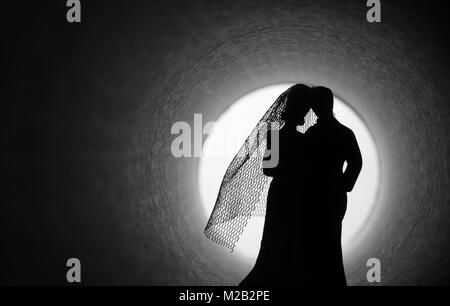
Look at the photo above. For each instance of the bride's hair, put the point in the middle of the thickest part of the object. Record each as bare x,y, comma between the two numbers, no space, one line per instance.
297,102
243,191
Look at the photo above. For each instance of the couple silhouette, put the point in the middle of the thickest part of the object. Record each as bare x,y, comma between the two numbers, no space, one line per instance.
307,197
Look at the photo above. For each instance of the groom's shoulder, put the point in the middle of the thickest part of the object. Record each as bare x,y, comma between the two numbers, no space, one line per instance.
345,130
349,133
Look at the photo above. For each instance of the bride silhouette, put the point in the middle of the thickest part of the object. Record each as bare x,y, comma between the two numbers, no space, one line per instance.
279,173
278,261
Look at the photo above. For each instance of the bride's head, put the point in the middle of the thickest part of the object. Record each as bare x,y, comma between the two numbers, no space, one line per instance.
297,105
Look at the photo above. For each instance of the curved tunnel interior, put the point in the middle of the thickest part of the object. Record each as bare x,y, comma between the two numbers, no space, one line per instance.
132,210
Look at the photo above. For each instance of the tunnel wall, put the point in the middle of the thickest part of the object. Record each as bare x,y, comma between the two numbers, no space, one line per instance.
91,173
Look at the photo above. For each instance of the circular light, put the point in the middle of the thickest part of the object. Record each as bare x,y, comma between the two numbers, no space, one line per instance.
231,130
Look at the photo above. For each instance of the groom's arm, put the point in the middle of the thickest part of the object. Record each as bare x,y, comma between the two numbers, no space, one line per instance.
354,162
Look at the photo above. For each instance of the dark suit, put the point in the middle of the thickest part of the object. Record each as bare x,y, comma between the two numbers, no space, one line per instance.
330,144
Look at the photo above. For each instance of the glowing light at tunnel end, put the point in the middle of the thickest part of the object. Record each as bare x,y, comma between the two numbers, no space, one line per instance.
244,114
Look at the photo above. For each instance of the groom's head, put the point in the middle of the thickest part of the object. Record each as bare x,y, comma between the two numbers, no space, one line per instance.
322,102
297,104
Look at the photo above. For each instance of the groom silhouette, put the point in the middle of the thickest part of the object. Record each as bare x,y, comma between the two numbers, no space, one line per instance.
331,145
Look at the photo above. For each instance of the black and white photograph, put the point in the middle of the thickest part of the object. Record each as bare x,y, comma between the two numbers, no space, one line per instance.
227,150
